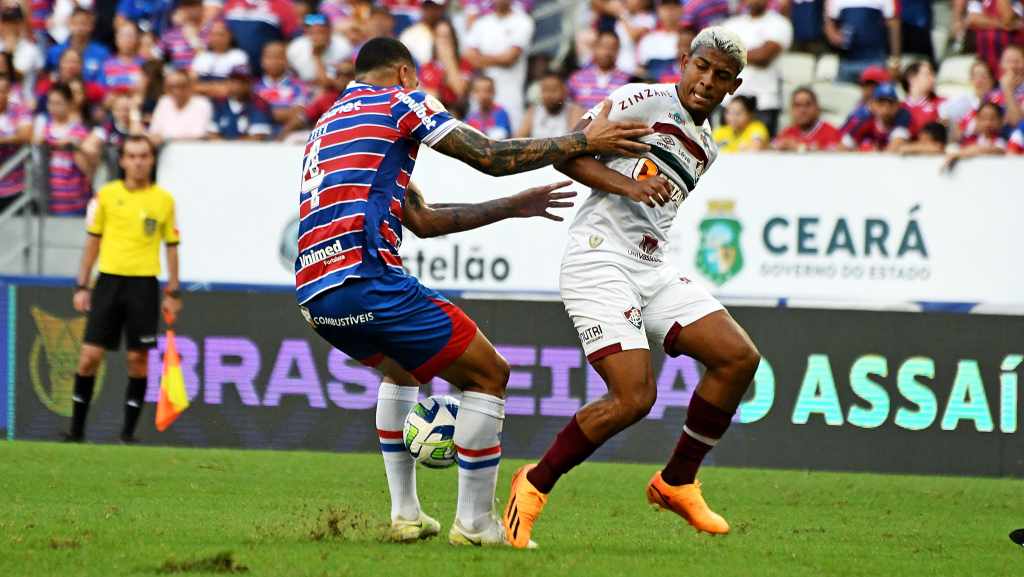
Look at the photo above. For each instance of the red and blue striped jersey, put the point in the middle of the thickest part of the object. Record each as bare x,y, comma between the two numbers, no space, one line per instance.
358,161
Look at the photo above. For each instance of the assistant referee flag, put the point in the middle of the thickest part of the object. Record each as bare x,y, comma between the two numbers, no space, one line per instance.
173,398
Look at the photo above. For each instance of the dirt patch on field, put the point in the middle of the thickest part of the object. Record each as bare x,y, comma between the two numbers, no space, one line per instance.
223,562
341,523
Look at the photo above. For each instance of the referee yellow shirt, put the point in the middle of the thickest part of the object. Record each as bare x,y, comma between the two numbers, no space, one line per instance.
131,224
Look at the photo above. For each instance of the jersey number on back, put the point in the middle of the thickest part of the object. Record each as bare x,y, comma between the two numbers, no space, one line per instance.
312,176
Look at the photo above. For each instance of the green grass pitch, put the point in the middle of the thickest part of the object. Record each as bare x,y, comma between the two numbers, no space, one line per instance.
111,510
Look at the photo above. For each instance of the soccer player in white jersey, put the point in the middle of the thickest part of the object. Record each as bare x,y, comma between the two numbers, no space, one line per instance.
619,291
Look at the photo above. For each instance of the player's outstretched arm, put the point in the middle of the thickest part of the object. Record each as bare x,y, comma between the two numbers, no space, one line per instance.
427,221
503,157
593,173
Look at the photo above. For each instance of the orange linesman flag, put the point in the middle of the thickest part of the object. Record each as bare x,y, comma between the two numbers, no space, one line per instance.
173,398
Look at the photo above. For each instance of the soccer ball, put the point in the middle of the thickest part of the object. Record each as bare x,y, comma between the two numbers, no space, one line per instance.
429,431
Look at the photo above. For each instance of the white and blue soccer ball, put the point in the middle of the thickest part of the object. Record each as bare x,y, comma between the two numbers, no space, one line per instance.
429,431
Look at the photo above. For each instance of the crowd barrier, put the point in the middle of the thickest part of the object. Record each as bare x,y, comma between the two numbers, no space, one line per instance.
872,229
840,390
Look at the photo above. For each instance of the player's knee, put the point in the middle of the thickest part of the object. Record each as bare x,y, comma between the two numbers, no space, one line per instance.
495,377
636,405
137,363
89,362
744,362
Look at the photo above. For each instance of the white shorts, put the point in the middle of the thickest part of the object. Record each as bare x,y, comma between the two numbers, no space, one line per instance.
616,303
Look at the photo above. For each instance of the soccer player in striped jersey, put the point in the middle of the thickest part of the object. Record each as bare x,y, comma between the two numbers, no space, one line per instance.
620,291
356,196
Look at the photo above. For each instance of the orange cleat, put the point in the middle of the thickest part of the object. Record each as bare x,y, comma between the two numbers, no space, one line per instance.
687,502
524,506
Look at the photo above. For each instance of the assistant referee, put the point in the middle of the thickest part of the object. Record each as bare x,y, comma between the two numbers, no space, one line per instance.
126,221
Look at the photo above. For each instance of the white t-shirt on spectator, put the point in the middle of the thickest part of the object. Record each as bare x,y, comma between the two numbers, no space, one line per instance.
762,82
301,59
627,60
419,39
189,123
493,34
657,45
218,64
28,58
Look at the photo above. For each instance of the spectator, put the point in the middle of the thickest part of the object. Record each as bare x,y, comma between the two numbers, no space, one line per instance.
742,131
419,38
808,131
123,120
212,66
181,43
931,140
28,59
591,85
994,23
496,46
316,54
405,13
555,115
240,116
1016,143
148,15
445,76
93,54
253,23
858,29
350,18
700,14
380,23
69,72
485,115
15,132
39,12
285,94
180,113
658,50
59,22
1011,83
871,78
808,18
958,112
70,164
672,75
916,21
123,71
989,139
634,21
888,127
152,87
919,83
766,34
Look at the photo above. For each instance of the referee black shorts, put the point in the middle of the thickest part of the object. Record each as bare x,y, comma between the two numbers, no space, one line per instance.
129,304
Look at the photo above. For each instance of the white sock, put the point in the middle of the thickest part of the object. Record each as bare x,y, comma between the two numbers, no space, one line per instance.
477,440
393,404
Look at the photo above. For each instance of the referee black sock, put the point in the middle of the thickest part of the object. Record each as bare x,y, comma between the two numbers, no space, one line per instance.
134,400
80,404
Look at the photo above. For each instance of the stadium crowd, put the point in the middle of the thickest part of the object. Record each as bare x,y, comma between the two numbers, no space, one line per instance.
78,76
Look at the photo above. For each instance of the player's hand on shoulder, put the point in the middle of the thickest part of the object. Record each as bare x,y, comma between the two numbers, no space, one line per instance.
605,136
536,201
650,191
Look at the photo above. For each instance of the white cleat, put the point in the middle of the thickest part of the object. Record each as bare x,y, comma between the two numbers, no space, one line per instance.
404,531
492,534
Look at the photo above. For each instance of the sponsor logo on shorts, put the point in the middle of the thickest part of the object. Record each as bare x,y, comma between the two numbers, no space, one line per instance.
685,280
346,321
648,245
148,339
634,317
595,240
307,316
591,334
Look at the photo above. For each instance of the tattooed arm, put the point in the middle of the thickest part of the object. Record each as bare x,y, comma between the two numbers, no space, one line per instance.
427,221
502,157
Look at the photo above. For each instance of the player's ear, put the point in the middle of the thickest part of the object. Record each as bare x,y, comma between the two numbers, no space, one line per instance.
683,59
736,85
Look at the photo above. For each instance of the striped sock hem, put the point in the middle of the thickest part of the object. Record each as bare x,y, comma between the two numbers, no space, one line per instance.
472,459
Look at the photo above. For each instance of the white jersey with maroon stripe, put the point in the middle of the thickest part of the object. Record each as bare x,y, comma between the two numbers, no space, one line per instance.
681,151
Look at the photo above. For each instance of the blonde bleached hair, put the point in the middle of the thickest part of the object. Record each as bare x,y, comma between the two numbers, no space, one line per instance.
723,40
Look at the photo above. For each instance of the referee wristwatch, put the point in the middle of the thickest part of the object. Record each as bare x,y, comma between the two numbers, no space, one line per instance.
173,293
82,287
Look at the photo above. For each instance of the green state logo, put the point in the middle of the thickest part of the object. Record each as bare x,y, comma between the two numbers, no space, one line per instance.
53,360
720,256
